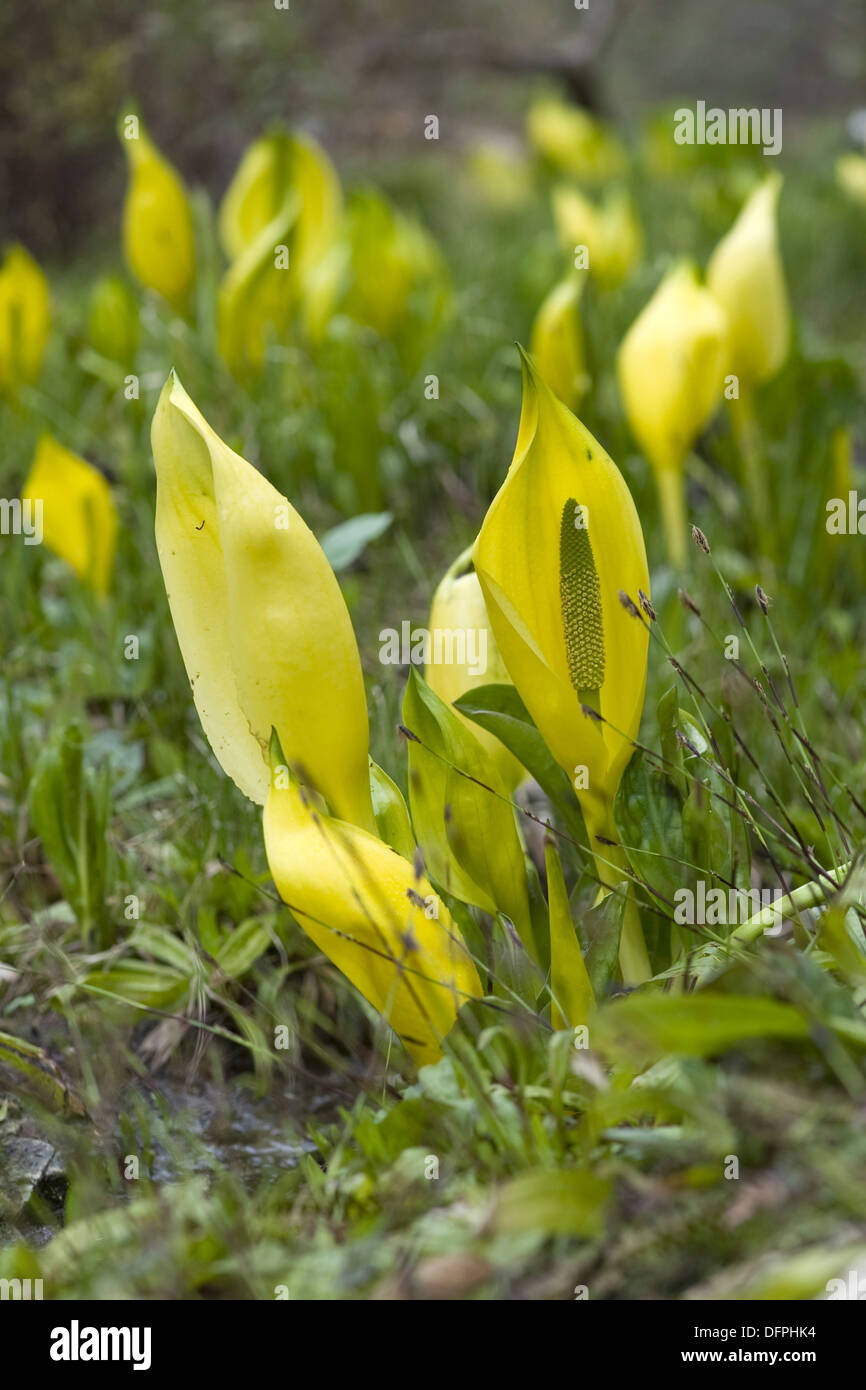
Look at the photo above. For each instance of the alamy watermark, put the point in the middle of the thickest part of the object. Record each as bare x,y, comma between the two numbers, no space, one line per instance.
846,516
77,1343
22,518
20,1289
737,126
443,646
852,1288
703,906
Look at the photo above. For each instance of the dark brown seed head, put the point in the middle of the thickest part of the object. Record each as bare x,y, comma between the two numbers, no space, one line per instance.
688,602
700,540
409,941
646,605
628,604
763,600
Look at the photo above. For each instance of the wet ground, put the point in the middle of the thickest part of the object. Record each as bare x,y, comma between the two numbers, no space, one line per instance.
171,1129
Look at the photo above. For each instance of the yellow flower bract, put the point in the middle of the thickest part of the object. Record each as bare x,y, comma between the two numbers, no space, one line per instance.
559,468
368,911
79,518
158,238
262,625
25,314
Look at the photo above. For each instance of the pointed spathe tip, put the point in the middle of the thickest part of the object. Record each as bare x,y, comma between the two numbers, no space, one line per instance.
275,749
169,387
526,360
177,393
531,375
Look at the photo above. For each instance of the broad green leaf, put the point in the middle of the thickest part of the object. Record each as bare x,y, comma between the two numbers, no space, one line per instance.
390,810
243,948
464,822
139,982
210,934
841,936
707,833
69,806
553,1202
672,752
714,832
648,815
570,987
601,929
500,710
645,1026
149,940
344,544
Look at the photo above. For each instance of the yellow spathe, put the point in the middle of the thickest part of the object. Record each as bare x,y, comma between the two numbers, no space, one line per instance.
158,241
458,608
278,164
571,139
746,276
79,518
552,593
25,315
364,906
609,230
560,541
670,368
262,625
556,342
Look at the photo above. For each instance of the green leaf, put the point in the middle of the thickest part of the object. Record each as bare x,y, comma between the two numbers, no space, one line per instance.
666,710
465,824
139,982
344,544
601,929
714,832
210,934
798,1274
242,949
36,1072
707,834
841,936
570,987
391,812
553,1202
69,807
648,815
148,940
500,710
643,1027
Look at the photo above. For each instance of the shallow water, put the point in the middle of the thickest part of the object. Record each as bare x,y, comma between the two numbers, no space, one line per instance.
253,1137
174,1128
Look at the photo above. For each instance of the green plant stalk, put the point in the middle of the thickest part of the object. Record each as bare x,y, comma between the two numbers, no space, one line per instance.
753,467
808,895
612,867
671,485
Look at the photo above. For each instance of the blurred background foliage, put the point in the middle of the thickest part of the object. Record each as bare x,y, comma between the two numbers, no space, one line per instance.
211,74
